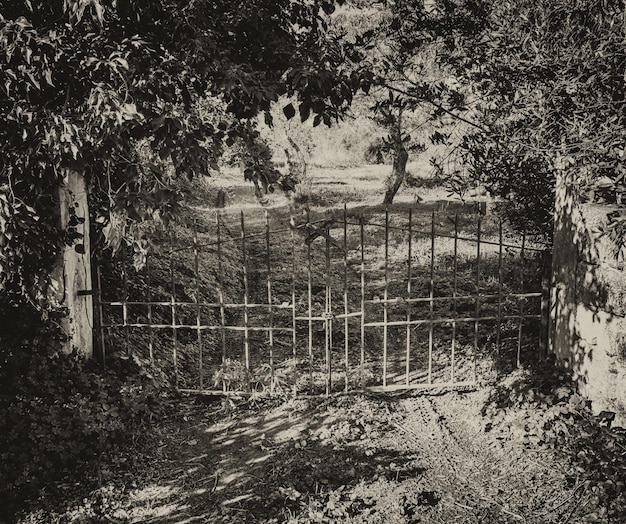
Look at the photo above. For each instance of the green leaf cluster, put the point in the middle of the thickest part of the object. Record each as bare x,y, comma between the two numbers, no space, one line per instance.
63,418
547,94
542,408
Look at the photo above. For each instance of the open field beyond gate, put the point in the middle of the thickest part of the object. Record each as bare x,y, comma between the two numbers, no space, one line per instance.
359,298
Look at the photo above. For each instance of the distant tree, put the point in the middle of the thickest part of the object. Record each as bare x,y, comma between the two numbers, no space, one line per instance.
392,114
407,87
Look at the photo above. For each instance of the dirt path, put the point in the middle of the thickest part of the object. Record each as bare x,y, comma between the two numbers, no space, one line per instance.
351,459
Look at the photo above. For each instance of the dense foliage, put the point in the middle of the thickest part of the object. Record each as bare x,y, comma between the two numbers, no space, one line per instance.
540,407
116,90
547,83
63,420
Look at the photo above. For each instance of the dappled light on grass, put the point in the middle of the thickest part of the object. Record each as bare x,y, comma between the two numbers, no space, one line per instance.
155,502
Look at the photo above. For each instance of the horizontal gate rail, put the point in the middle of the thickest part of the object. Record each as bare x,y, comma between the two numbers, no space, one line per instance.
402,300
245,307
438,320
182,303
395,300
448,320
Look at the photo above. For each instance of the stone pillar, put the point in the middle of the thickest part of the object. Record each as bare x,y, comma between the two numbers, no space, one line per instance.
585,333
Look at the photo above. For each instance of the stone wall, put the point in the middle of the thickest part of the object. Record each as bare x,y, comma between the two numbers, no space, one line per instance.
589,303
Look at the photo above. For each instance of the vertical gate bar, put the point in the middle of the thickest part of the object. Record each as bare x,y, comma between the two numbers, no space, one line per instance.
477,312
149,297
454,295
173,310
196,268
345,297
310,295
521,302
331,331
101,314
544,326
124,300
328,322
408,296
385,296
432,296
246,331
269,298
293,310
220,295
362,242
499,327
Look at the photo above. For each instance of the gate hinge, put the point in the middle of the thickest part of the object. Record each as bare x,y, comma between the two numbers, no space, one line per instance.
84,292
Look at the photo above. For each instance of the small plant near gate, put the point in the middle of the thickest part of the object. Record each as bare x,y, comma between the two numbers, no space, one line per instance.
233,376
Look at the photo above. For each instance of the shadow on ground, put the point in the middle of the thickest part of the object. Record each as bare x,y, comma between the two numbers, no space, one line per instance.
255,465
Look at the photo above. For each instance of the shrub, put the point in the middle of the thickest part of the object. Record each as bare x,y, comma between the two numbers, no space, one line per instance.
64,417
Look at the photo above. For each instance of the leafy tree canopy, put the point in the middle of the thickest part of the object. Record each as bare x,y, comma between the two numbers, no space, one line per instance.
547,80
118,89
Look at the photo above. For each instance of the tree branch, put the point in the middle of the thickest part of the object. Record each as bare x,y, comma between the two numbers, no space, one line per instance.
438,106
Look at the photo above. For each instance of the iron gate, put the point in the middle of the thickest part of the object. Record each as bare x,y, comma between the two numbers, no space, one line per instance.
361,299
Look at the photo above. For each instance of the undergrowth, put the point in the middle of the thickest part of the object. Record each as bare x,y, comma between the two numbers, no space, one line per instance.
65,421
542,408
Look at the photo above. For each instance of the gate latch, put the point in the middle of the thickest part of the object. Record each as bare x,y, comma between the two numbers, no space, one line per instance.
329,315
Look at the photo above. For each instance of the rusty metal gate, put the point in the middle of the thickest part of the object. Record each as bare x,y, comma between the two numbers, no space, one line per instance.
349,300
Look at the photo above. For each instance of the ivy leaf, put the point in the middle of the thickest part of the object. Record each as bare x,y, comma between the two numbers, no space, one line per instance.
328,7
289,111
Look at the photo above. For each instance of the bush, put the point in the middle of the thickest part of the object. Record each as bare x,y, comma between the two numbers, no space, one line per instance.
64,417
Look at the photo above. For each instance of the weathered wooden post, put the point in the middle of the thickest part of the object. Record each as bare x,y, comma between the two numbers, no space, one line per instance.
70,284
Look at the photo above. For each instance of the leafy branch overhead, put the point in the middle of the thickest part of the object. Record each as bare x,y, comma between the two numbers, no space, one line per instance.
547,84
134,94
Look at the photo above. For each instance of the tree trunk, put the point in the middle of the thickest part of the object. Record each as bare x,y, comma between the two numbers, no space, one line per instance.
70,283
297,166
398,172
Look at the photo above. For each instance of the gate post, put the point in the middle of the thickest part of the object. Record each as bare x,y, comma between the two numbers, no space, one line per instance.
70,281
584,330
